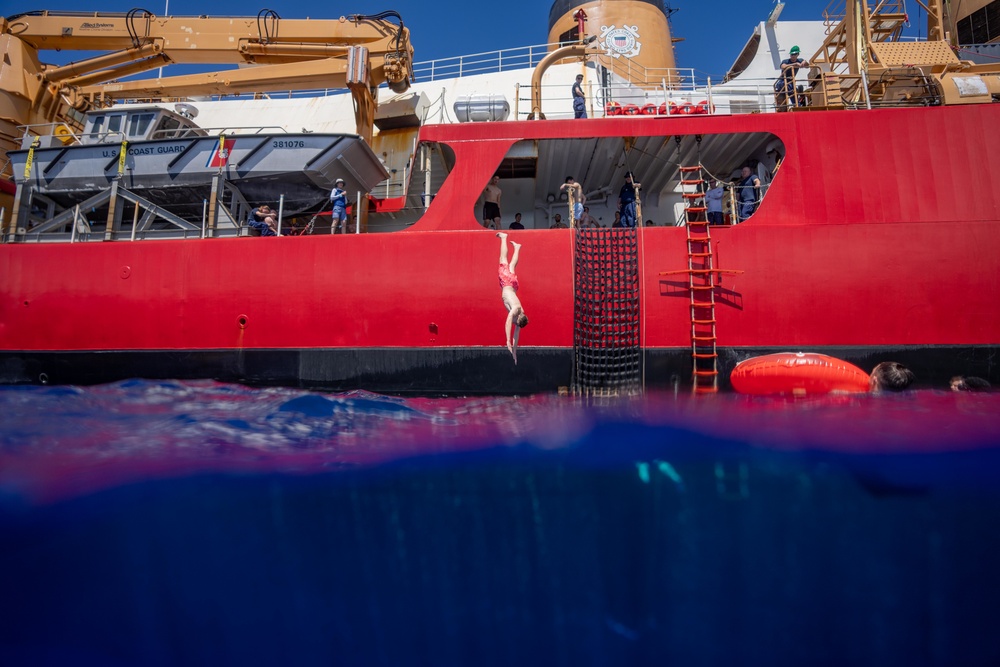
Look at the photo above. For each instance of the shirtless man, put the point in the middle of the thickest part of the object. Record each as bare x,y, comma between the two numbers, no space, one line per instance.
265,220
587,221
576,199
491,204
516,319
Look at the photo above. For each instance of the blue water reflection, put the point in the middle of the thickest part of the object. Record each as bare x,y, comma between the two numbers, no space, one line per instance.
166,523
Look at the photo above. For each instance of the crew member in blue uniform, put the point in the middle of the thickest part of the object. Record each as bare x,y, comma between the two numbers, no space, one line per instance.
626,200
579,99
748,193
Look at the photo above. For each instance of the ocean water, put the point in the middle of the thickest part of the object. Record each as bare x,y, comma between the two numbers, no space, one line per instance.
198,523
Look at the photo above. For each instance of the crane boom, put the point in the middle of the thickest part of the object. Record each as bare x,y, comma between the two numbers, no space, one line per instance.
285,54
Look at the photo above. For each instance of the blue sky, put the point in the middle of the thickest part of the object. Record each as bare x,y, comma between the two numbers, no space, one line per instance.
714,32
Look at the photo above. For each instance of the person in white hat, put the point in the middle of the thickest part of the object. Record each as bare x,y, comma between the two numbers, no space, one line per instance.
338,198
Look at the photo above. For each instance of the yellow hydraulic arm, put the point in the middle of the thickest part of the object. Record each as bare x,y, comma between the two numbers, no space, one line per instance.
359,52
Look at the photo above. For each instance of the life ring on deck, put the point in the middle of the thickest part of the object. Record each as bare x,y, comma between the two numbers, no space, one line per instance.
613,109
797,374
630,110
648,110
703,107
663,110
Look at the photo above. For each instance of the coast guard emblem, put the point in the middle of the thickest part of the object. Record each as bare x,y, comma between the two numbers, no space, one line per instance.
220,156
623,41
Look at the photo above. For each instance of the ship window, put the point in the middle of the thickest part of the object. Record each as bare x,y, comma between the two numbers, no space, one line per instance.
167,127
138,124
115,123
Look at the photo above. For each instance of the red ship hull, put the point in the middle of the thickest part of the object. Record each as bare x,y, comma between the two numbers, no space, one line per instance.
880,238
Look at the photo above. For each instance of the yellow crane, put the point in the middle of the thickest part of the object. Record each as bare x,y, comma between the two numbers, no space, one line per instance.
358,52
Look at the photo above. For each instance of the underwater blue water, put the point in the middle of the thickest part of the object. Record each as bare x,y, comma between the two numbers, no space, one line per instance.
190,523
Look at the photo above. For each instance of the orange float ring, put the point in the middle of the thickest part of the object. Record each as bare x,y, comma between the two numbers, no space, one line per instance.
613,109
797,374
630,110
663,109
704,107
648,110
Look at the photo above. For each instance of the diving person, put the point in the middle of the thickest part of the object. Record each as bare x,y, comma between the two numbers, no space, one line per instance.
516,319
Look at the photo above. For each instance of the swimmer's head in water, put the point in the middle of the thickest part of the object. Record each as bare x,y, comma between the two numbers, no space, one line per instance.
969,383
891,375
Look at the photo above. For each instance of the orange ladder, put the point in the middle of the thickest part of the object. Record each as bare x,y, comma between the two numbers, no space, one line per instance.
701,282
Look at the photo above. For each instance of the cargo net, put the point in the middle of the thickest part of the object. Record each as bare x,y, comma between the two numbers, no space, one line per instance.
606,313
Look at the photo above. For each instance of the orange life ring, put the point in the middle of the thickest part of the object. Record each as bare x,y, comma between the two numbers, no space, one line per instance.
630,110
686,108
663,109
797,374
704,107
648,110
613,109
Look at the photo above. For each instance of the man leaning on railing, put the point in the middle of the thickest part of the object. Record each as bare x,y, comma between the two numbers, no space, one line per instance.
784,88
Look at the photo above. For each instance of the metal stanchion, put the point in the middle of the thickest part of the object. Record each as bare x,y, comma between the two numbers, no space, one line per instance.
76,216
281,210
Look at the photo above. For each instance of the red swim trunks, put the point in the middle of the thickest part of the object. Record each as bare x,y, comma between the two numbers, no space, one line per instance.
507,279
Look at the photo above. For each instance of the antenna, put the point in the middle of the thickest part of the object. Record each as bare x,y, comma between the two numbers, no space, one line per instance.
189,111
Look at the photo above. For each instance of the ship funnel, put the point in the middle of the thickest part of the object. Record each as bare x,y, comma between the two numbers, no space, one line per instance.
633,35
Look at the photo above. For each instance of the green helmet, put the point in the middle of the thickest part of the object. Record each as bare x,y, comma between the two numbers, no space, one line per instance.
794,50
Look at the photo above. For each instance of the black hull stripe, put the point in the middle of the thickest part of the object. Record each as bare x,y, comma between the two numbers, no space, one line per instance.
453,371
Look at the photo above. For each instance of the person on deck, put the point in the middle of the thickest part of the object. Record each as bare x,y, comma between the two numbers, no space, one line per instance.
587,220
338,199
713,201
517,224
579,99
264,220
784,87
627,199
574,192
748,194
557,222
491,204
516,319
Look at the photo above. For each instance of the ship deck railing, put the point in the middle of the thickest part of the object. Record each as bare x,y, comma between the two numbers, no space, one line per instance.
487,62
748,96
28,132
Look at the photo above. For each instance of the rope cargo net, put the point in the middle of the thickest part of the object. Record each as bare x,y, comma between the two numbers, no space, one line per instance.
607,353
